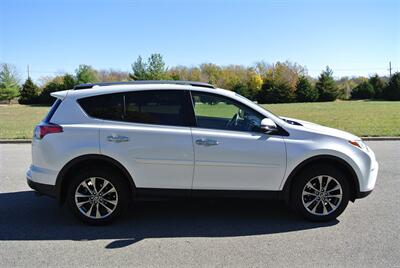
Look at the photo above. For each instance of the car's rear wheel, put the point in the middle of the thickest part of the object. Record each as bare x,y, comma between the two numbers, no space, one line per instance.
320,193
97,196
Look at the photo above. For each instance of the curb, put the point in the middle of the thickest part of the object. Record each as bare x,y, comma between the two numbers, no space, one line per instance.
381,138
22,141
15,141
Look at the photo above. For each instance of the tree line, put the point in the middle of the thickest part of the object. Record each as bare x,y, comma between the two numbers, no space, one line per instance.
281,82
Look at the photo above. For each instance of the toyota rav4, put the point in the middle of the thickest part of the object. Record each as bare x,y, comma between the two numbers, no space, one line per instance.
102,145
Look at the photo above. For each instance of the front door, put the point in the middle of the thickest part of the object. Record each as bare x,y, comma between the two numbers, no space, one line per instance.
231,151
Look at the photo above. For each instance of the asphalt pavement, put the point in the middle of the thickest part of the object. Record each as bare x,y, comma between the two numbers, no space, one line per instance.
36,231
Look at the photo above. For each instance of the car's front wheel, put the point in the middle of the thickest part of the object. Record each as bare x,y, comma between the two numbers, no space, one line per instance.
97,196
320,193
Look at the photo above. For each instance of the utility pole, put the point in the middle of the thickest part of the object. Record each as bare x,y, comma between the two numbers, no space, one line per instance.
28,70
390,69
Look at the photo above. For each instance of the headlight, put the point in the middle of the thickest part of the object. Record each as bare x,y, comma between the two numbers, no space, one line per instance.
360,144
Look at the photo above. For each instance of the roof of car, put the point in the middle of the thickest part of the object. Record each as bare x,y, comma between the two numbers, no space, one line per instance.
145,82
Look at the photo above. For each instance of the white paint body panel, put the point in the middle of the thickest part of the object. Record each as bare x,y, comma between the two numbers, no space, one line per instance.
156,156
168,157
241,161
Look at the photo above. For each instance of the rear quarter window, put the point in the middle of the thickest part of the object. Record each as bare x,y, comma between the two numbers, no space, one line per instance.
53,109
108,106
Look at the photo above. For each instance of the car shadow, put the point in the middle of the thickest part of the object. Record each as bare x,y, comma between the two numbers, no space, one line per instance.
24,216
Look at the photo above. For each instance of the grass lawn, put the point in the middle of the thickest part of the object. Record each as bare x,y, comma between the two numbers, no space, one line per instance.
17,121
363,118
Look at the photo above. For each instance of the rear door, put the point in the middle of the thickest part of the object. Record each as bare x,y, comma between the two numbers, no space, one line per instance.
148,132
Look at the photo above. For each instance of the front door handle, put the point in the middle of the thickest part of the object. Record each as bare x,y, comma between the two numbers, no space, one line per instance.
207,142
117,138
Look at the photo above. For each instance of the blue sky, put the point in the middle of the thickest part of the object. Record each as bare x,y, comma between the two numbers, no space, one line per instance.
352,37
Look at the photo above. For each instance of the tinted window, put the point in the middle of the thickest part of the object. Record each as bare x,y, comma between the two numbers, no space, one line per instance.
109,106
53,109
151,107
156,107
218,112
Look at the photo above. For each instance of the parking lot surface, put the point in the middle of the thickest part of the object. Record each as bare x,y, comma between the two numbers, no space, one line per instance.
36,231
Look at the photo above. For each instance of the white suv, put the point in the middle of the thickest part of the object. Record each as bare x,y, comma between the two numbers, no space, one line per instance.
102,145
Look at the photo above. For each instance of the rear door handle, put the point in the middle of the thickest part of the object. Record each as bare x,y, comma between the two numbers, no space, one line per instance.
117,138
207,142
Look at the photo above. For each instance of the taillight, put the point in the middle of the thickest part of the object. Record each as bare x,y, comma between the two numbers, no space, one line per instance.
43,130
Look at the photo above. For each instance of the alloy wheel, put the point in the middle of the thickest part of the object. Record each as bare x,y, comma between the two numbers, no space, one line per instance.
96,198
322,195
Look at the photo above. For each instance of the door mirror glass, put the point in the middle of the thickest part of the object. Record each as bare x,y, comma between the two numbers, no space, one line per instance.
268,125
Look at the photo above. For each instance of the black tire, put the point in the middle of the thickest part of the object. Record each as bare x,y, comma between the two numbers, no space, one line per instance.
299,202
120,196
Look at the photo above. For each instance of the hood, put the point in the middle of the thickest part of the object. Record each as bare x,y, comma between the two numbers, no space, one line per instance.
321,129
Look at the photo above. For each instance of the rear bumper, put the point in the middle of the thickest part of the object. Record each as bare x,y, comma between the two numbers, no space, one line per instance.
44,189
41,188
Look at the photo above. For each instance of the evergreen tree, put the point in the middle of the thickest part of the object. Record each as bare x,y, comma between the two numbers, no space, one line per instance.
392,90
305,92
378,86
9,87
138,70
156,67
29,92
326,86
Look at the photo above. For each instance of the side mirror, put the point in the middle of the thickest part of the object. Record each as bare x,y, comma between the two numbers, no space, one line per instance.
268,125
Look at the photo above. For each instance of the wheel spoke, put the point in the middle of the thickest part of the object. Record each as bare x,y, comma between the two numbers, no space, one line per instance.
108,209
111,201
310,202
83,195
337,187
89,212
320,183
327,183
311,186
334,195
84,184
97,211
314,209
104,186
325,211
79,204
112,190
332,205
93,181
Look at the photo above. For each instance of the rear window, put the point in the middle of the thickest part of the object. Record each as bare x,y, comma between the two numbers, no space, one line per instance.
149,107
52,111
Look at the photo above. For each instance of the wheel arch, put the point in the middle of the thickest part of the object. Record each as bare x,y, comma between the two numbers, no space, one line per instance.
83,162
345,167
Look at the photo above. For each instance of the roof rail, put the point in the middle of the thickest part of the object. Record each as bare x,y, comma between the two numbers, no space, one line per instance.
145,82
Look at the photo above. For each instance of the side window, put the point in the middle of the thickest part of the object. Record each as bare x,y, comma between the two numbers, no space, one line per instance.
162,107
218,112
108,106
